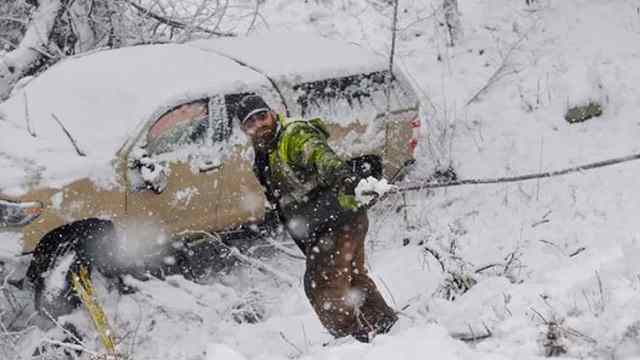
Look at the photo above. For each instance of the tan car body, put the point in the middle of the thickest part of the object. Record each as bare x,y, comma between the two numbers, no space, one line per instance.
221,198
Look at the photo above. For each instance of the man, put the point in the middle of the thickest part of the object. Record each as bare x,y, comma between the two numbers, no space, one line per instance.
313,192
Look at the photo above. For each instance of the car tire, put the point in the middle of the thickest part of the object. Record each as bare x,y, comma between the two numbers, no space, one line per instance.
60,253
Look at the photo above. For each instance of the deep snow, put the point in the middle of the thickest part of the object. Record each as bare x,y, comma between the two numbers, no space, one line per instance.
571,243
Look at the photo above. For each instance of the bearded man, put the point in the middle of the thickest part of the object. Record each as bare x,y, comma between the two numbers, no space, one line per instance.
312,190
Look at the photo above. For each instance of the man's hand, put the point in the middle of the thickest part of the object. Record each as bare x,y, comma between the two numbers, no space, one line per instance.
370,189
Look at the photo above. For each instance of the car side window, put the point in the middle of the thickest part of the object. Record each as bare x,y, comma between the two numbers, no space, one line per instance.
184,125
354,93
223,123
223,113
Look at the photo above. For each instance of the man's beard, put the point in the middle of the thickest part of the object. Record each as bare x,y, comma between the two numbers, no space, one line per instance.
263,137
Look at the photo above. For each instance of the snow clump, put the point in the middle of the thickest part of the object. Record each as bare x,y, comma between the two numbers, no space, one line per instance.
371,188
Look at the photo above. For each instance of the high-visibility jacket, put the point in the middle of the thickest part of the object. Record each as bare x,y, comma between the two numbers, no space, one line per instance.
302,176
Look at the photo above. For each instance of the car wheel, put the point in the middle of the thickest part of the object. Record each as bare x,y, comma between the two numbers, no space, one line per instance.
59,254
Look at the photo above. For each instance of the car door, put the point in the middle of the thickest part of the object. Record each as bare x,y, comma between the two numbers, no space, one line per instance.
181,144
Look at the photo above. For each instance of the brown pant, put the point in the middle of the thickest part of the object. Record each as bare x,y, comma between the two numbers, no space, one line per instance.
336,282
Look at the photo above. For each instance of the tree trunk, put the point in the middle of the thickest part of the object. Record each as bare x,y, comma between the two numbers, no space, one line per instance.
33,50
452,19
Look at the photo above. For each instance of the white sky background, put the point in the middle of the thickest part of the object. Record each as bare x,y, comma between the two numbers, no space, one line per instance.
566,52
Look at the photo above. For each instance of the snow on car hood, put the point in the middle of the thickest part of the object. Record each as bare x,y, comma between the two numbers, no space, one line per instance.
101,99
305,55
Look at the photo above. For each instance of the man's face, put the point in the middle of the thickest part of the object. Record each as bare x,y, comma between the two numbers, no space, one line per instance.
261,128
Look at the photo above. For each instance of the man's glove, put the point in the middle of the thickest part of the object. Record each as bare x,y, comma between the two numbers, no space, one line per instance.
370,189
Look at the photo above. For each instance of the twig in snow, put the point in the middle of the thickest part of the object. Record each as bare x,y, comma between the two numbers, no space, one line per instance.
16,309
487,267
132,346
575,333
578,251
249,260
284,249
539,169
472,337
69,346
306,339
544,320
284,338
537,223
73,141
511,259
73,336
26,115
436,256
262,266
553,245
499,73
11,299
384,283
9,43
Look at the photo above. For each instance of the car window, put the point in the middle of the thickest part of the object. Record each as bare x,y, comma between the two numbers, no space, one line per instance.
222,121
361,92
184,125
223,124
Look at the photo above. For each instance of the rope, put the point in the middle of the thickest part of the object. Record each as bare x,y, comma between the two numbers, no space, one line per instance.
549,174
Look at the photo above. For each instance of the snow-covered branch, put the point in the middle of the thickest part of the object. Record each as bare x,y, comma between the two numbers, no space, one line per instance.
30,52
174,23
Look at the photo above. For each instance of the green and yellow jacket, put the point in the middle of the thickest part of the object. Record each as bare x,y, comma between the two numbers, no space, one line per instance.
302,175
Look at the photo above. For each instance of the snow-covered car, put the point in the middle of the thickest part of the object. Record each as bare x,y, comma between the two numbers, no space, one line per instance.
146,134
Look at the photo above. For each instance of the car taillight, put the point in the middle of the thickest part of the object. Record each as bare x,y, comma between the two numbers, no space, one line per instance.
413,143
415,126
19,214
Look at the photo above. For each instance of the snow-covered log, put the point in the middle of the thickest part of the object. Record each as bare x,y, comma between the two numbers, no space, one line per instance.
32,50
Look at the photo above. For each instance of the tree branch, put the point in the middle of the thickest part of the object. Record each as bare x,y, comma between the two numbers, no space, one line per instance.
26,115
174,23
73,141
500,71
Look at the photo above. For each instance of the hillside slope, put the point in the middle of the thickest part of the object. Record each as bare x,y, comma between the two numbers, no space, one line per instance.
547,267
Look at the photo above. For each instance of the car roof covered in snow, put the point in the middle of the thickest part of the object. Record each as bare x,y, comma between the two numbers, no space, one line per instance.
298,55
102,99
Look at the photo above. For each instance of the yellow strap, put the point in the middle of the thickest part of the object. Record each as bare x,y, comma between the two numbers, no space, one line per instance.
84,288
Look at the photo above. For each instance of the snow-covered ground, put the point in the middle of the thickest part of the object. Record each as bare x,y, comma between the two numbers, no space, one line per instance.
552,264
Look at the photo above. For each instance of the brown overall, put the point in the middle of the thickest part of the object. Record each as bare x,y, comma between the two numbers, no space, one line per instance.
338,287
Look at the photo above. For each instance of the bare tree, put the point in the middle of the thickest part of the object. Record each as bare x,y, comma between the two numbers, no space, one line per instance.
452,19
